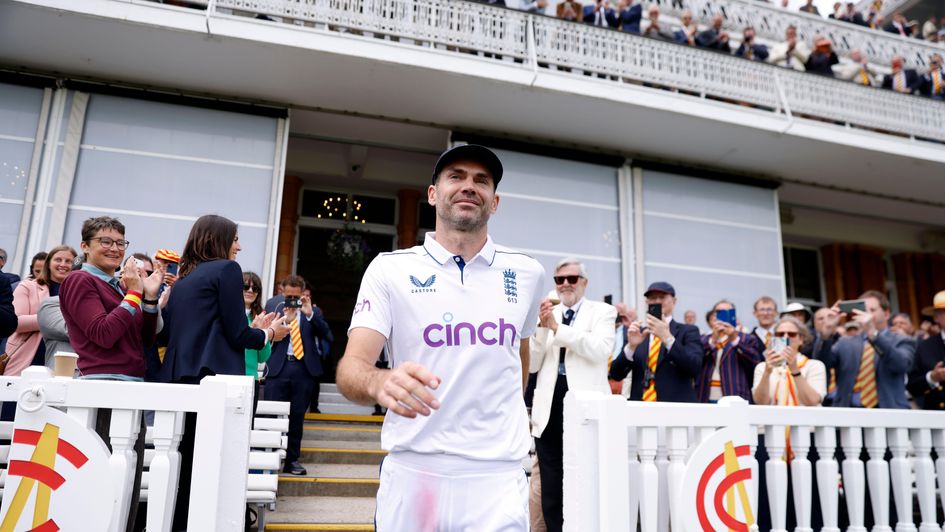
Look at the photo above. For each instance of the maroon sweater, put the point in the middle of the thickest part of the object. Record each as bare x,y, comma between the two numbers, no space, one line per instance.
107,338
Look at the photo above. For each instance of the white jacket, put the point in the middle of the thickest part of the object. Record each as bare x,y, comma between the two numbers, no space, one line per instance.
589,341
799,55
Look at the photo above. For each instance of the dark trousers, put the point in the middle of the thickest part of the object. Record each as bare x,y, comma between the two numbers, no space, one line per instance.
316,390
550,456
293,384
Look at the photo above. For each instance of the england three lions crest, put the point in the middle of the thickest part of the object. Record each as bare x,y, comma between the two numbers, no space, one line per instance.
510,285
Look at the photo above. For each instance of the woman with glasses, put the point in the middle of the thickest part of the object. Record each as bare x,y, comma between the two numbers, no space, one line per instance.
252,298
26,347
786,377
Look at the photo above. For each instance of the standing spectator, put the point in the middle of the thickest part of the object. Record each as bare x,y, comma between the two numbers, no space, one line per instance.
714,38
535,6
899,25
903,80
766,312
871,367
809,7
837,13
930,30
689,318
36,265
787,377
26,346
902,324
11,277
600,14
928,373
570,10
852,16
875,21
252,299
8,319
729,359
686,34
654,29
749,49
933,82
664,355
207,329
629,14
857,69
826,334
791,53
295,364
798,310
822,59
569,351
941,30
52,325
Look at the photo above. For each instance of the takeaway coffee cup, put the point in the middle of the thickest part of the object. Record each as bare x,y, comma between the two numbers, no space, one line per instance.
66,364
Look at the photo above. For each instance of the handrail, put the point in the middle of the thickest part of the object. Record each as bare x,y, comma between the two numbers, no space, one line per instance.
505,36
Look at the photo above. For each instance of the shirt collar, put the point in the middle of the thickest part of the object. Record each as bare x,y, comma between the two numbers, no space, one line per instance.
440,254
575,308
86,267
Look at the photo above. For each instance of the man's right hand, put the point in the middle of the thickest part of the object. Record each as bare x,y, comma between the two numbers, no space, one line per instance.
406,390
634,335
938,373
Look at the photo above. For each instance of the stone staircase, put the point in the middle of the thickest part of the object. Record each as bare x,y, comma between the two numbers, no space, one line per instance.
341,449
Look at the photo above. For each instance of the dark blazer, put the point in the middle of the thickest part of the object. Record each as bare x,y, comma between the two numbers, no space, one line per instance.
711,38
610,15
311,331
820,63
736,367
894,357
930,352
675,369
8,320
759,52
926,85
913,80
630,18
206,321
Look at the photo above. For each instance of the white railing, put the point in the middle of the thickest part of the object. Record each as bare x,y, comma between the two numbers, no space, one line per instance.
539,42
219,480
627,462
770,22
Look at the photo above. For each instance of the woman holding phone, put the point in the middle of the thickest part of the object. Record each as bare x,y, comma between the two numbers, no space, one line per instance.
786,377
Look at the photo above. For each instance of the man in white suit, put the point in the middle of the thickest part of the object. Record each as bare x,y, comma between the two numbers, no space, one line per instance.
570,350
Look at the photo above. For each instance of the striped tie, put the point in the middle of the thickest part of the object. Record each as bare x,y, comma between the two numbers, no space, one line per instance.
297,349
936,82
899,82
655,343
866,378
864,77
768,340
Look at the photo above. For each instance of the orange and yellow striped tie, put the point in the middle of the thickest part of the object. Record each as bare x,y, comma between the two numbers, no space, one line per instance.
297,348
768,340
655,343
936,81
864,77
899,82
866,378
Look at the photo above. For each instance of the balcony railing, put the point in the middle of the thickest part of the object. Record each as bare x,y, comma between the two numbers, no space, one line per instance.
540,43
628,460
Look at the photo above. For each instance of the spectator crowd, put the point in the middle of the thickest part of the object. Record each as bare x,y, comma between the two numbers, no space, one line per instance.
817,56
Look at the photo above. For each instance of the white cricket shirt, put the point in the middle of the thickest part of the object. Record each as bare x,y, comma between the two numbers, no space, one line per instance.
463,322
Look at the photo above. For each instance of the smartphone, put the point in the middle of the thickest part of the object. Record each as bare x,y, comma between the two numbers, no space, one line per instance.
847,307
139,263
293,302
727,315
655,310
779,343
172,268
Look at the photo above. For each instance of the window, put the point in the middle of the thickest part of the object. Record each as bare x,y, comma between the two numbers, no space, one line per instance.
802,273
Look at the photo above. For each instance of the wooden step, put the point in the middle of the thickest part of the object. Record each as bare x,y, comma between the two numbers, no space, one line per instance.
356,418
298,486
322,513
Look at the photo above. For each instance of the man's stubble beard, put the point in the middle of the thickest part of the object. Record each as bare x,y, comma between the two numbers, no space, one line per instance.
461,223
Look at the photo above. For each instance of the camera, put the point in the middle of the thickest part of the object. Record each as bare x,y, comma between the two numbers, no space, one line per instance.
293,302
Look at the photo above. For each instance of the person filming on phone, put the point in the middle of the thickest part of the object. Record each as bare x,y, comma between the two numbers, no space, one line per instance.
729,358
787,377
665,356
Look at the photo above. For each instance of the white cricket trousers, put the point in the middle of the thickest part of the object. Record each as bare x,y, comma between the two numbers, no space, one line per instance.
440,493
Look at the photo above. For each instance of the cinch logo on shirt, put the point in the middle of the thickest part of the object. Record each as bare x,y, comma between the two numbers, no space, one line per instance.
463,333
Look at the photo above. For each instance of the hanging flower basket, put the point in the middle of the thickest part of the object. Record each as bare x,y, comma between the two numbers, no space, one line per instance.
348,250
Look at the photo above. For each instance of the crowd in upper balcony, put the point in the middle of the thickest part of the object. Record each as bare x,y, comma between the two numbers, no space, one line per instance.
817,56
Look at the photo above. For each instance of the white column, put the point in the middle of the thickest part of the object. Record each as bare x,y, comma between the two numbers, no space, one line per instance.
754,486
649,480
877,471
123,432
165,470
613,484
828,477
901,476
851,441
924,479
801,478
662,467
676,447
633,468
776,470
938,441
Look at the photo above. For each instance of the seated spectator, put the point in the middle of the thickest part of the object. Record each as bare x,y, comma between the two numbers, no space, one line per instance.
809,7
875,21
600,14
570,10
535,6
787,377
904,80
899,25
852,16
654,29
686,34
930,30
749,49
856,68
714,38
629,15
791,53
933,82
822,58
838,12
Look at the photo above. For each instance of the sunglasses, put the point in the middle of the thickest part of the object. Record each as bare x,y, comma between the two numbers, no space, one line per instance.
571,279
789,334
247,287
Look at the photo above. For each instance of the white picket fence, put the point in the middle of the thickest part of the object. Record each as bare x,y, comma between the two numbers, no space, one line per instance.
624,462
224,412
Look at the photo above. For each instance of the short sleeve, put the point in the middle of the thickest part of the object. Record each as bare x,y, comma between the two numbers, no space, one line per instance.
531,319
372,309
759,373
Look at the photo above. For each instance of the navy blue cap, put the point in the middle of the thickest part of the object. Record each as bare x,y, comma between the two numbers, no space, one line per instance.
660,286
471,152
